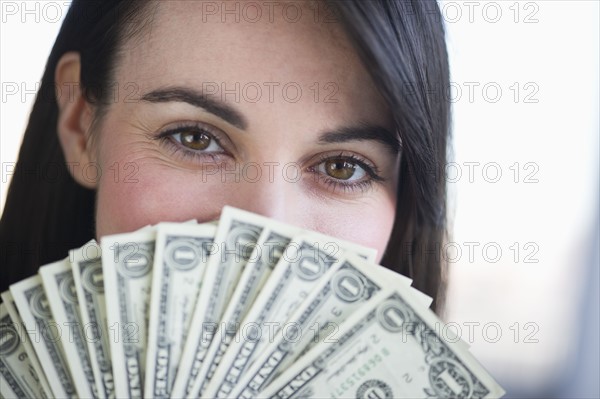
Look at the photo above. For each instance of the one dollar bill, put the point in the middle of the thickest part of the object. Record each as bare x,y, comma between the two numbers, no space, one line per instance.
18,378
127,268
388,349
269,248
37,370
295,275
348,285
61,294
235,240
89,283
44,334
179,263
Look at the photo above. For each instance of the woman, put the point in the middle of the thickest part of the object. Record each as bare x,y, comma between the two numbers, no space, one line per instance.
313,113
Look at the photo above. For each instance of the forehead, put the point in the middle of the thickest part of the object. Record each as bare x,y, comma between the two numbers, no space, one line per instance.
195,43
226,38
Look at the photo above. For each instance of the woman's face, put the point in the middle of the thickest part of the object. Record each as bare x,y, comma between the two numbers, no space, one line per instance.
273,116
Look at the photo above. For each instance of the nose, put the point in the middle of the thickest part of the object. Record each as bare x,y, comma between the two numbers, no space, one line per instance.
274,195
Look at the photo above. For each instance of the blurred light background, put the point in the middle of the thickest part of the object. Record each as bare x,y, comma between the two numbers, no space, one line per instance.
523,179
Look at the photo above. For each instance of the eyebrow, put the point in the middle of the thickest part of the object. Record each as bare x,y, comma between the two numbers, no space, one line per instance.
359,132
198,99
363,132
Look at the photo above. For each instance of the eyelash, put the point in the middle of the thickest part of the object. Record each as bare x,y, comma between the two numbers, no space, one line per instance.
334,185
167,138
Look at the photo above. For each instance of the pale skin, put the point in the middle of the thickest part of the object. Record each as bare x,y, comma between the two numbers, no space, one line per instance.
285,169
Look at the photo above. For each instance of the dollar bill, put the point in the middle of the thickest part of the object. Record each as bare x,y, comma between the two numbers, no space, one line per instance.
387,349
303,262
11,308
269,247
44,334
276,236
180,260
127,269
6,389
89,283
235,241
19,378
421,297
59,285
348,285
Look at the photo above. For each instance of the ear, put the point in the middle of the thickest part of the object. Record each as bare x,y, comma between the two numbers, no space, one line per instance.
74,118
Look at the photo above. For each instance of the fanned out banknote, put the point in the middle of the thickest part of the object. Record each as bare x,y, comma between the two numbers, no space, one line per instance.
61,295
346,287
18,377
127,267
41,383
242,307
86,264
44,334
180,260
387,349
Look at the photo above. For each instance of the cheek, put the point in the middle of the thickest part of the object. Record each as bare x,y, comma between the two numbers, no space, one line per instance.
366,224
155,195
159,195
135,190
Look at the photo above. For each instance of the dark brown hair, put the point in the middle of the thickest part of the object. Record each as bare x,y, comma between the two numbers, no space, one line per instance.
402,44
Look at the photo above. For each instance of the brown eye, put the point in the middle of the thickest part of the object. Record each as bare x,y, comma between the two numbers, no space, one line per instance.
339,168
195,140
345,172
